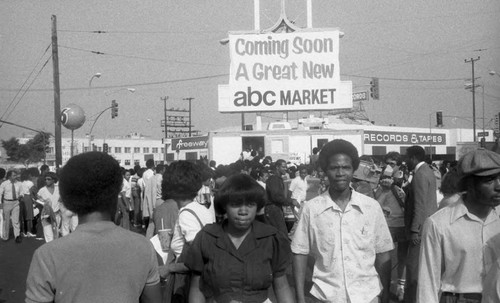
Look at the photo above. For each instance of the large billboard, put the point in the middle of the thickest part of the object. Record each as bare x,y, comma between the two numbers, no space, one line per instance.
285,72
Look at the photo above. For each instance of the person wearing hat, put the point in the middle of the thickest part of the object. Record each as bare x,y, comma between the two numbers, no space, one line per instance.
346,234
454,238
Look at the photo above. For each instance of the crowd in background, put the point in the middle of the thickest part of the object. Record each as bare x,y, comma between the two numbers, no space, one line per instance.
211,211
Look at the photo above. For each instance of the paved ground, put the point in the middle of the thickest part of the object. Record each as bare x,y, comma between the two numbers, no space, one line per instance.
15,260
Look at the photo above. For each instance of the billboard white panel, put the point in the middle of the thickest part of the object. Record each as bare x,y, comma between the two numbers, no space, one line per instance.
284,72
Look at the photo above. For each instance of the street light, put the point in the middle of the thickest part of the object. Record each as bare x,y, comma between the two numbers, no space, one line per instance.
493,73
96,75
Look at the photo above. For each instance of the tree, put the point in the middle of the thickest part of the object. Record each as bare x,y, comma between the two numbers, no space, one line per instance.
12,147
32,151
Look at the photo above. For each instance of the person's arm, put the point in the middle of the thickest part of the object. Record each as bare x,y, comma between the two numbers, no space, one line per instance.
151,294
195,294
429,265
383,267
282,290
275,191
423,205
299,273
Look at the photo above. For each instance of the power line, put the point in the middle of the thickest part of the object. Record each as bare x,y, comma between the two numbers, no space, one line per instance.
23,85
407,79
139,32
137,57
129,85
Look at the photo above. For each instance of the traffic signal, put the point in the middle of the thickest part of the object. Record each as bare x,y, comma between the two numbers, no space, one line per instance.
439,118
114,109
105,147
374,92
497,123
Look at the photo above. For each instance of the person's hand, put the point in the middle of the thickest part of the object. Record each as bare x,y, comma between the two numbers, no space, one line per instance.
164,271
415,238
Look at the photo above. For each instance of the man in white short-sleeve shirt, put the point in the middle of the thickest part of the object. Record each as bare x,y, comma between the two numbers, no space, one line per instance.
347,235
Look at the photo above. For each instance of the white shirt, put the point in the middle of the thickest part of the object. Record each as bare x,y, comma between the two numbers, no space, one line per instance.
44,196
6,190
26,185
451,255
126,188
344,245
299,187
187,226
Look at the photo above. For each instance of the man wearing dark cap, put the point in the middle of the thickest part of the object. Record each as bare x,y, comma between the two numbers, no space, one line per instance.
99,261
454,238
347,235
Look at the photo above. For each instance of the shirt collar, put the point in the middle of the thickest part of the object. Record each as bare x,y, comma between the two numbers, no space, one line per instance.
459,210
329,203
419,165
260,230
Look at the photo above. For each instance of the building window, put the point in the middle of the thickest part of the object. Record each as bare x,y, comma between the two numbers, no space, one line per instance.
127,162
137,150
155,150
137,162
127,150
118,150
163,150
145,150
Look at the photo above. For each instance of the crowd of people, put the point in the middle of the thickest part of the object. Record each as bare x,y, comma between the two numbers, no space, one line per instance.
343,228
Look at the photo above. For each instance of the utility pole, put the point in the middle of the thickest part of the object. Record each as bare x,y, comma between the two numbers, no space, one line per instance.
165,115
57,93
472,60
189,99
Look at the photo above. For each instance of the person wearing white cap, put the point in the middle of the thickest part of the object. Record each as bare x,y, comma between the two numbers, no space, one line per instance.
454,238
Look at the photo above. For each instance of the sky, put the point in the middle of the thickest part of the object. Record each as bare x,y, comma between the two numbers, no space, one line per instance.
171,49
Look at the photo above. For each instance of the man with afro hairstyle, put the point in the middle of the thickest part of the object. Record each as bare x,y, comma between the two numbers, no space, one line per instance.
346,234
99,261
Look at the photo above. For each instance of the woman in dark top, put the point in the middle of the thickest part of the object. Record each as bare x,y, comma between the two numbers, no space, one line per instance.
239,259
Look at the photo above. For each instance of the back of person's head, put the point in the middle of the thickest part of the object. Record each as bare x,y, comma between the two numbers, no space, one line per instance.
315,150
450,182
141,171
416,151
132,171
239,188
338,146
181,181
150,163
25,175
33,172
3,172
206,172
90,182
160,168
212,163
137,167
